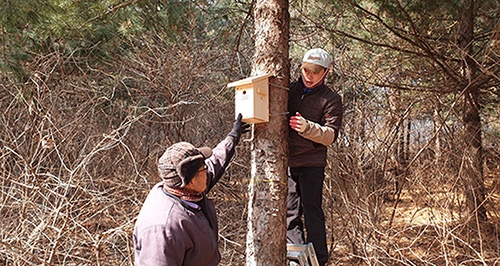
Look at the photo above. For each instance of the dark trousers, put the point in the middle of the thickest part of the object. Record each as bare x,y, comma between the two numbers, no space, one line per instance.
305,189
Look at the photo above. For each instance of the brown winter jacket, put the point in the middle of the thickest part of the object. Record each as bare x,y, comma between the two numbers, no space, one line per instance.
322,108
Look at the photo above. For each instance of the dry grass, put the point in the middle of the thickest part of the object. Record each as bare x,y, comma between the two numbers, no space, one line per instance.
78,157
429,227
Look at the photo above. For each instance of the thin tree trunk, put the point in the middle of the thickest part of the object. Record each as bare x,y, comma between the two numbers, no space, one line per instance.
472,172
438,150
266,238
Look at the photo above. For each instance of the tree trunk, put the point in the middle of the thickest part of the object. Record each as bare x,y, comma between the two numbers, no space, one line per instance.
438,149
472,172
266,238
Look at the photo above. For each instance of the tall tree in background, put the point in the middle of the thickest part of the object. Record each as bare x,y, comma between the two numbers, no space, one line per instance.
470,83
266,239
449,49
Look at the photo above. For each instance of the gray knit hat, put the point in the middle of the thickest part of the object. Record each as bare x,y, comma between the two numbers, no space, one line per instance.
180,163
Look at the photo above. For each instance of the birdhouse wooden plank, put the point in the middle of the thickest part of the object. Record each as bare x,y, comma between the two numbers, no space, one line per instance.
252,98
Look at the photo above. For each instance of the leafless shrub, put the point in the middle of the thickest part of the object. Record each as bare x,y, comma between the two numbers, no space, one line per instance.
80,142
382,212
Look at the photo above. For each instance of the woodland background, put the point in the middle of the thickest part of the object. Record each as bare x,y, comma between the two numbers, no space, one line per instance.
93,92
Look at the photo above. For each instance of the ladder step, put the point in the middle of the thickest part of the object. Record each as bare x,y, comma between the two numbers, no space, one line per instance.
303,253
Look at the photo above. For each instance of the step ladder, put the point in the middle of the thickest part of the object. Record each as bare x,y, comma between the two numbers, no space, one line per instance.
303,253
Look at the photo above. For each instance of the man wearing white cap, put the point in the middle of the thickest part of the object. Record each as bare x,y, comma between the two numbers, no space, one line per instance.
315,120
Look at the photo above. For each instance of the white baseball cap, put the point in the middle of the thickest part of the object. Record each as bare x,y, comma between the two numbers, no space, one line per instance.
318,56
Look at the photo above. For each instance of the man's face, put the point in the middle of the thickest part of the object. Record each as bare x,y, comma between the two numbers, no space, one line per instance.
312,78
199,181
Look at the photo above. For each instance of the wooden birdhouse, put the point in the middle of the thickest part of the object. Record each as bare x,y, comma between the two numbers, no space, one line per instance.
252,98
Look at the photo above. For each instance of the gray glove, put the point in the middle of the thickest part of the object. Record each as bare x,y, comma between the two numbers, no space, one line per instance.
239,128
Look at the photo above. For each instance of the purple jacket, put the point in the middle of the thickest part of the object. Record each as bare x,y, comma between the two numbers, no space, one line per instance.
170,231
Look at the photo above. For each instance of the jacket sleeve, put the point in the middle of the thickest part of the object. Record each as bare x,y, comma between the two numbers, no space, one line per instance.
321,134
220,159
159,248
332,115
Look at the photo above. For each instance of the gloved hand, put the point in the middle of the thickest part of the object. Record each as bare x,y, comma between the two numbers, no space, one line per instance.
239,128
298,123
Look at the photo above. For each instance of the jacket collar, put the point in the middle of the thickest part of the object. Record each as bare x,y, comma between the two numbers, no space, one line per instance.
186,204
305,90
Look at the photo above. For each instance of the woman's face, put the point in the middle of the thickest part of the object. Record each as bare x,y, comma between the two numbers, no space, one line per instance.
312,78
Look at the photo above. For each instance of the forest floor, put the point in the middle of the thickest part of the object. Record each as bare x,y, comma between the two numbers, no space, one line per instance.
426,229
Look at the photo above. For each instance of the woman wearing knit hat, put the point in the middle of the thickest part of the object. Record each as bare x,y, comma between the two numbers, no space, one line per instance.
177,224
316,116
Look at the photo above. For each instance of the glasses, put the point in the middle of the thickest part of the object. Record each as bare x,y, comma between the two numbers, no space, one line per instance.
204,168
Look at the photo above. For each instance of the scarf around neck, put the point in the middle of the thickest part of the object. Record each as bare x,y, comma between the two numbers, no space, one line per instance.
185,194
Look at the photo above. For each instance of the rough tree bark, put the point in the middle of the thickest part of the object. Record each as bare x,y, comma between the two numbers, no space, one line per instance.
266,238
